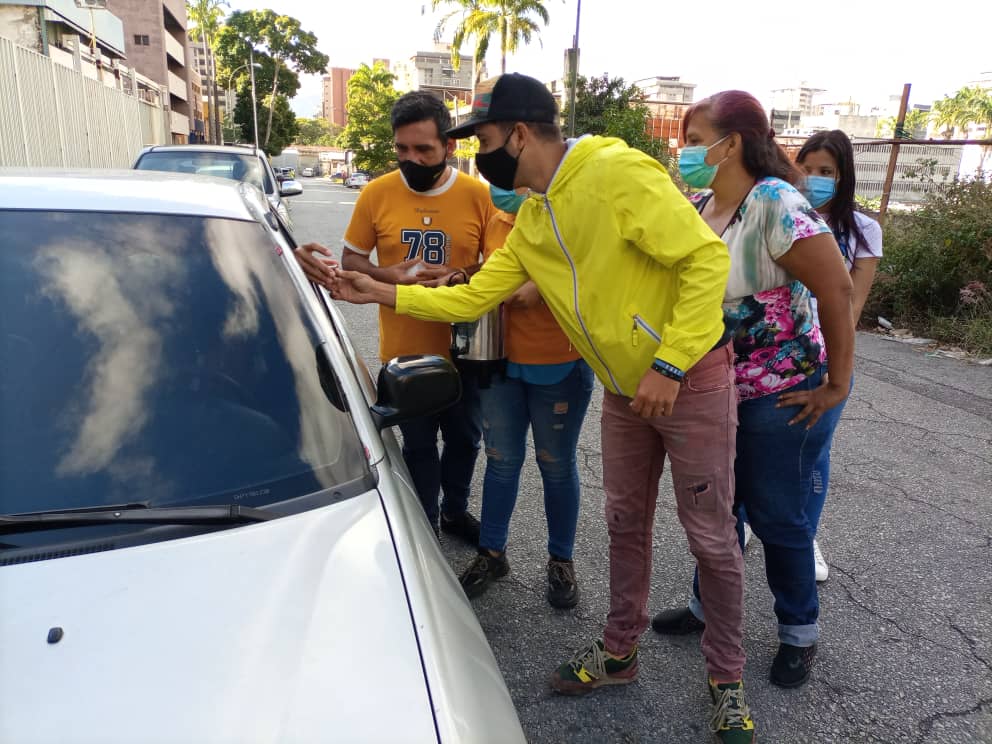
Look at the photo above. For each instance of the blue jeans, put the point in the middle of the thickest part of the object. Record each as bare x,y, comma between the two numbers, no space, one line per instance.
555,414
781,474
451,471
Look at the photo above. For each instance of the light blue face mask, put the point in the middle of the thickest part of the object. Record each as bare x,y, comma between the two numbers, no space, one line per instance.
819,190
693,167
508,201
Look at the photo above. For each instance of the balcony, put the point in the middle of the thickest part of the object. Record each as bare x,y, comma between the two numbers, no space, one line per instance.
178,123
177,87
175,49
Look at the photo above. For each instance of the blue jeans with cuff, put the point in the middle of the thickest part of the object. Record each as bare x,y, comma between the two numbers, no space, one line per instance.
781,483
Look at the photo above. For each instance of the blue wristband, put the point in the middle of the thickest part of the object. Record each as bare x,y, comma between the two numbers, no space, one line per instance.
668,370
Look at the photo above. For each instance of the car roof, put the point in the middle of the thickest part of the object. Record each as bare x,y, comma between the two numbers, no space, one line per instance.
237,149
155,192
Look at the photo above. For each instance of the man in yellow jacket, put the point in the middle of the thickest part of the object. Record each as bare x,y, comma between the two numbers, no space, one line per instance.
636,280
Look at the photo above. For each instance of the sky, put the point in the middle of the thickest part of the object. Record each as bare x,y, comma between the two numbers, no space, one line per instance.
863,49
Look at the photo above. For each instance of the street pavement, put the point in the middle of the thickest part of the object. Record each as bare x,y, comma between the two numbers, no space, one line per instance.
905,653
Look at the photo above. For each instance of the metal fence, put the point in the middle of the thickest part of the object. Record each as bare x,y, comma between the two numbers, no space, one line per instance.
53,116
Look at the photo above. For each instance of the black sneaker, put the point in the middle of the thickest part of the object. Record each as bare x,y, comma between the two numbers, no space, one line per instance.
792,665
563,590
463,526
677,622
482,572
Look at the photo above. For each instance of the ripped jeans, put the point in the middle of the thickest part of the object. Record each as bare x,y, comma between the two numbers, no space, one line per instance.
554,412
698,439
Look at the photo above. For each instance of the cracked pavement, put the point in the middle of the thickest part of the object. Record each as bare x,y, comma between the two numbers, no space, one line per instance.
905,653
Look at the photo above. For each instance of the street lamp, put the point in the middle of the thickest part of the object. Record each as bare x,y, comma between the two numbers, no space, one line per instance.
227,87
254,103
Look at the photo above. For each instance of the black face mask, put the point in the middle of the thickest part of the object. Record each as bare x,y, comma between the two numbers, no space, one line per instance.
421,177
499,167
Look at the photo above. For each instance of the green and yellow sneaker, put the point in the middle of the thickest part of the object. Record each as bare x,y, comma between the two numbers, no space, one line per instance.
731,721
593,667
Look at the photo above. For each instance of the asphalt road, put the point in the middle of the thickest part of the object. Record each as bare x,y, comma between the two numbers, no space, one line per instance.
905,653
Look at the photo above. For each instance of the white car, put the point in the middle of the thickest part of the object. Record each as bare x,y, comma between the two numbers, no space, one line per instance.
225,161
207,532
356,181
308,172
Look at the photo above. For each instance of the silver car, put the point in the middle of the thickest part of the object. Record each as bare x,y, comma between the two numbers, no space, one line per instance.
224,161
207,532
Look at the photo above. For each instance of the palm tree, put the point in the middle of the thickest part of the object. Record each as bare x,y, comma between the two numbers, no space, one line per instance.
966,108
473,23
513,21
206,16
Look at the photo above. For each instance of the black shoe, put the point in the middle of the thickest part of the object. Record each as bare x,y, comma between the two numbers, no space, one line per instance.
482,572
677,622
563,590
463,526
792,665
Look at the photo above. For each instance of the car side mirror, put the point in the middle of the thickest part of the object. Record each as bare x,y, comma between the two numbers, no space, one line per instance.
290,188
414,386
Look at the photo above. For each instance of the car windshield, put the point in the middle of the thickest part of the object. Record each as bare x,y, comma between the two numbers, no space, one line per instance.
160,359
231,165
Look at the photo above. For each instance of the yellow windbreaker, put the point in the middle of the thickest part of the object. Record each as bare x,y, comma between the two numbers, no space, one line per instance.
626,265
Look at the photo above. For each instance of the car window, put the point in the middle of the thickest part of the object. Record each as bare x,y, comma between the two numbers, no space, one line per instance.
162,359
230,165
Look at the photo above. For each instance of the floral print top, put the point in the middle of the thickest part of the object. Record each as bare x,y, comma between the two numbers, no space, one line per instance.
776,342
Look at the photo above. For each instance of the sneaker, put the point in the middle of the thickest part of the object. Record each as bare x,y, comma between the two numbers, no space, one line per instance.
563,590
822,569
677,622
748,534
483,571
792,665
463,526
731,721
593,667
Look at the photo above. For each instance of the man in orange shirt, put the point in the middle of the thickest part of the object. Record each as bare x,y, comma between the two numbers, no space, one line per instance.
426,222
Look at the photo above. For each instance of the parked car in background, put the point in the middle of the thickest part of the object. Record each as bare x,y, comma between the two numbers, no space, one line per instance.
208,533
223,161
357,180
308,172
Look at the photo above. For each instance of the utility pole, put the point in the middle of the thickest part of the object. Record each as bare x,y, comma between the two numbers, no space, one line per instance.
574,70
894,154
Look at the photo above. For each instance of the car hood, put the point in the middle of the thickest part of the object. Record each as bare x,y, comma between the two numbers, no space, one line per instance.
297,629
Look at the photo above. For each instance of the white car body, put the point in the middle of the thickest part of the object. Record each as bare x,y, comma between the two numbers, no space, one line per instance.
339,623
356,181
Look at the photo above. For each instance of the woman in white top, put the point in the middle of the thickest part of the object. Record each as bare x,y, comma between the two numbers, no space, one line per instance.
827,158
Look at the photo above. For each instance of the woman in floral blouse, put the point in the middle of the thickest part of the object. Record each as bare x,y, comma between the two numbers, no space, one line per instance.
780,250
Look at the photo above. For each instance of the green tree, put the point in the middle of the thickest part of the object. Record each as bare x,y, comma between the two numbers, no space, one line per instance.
369,135
916,120
282,41
317,131
968,107
284,129
612,108
206,17
471,25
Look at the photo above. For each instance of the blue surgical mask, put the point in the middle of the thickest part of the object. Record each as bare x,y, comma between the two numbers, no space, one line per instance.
693,167
508,201
819,190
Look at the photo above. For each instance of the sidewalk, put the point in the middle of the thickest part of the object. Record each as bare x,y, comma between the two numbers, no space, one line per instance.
906,647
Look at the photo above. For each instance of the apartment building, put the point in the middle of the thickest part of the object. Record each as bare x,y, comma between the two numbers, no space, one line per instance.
157,47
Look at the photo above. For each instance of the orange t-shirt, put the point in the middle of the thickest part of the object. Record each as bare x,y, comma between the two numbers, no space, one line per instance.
533,336
445,226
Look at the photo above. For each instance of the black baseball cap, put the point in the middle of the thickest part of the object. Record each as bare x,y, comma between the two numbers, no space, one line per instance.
511,97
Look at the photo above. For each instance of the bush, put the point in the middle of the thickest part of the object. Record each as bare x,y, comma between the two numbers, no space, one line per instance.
936,275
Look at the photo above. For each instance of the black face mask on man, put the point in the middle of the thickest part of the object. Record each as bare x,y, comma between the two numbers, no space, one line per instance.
421,177
499,167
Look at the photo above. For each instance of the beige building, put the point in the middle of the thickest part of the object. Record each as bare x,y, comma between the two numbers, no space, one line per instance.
157,47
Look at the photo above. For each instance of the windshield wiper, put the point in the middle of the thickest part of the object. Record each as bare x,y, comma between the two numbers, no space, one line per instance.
132,514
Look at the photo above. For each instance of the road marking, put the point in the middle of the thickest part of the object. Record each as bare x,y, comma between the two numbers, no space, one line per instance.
346,203
312,201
